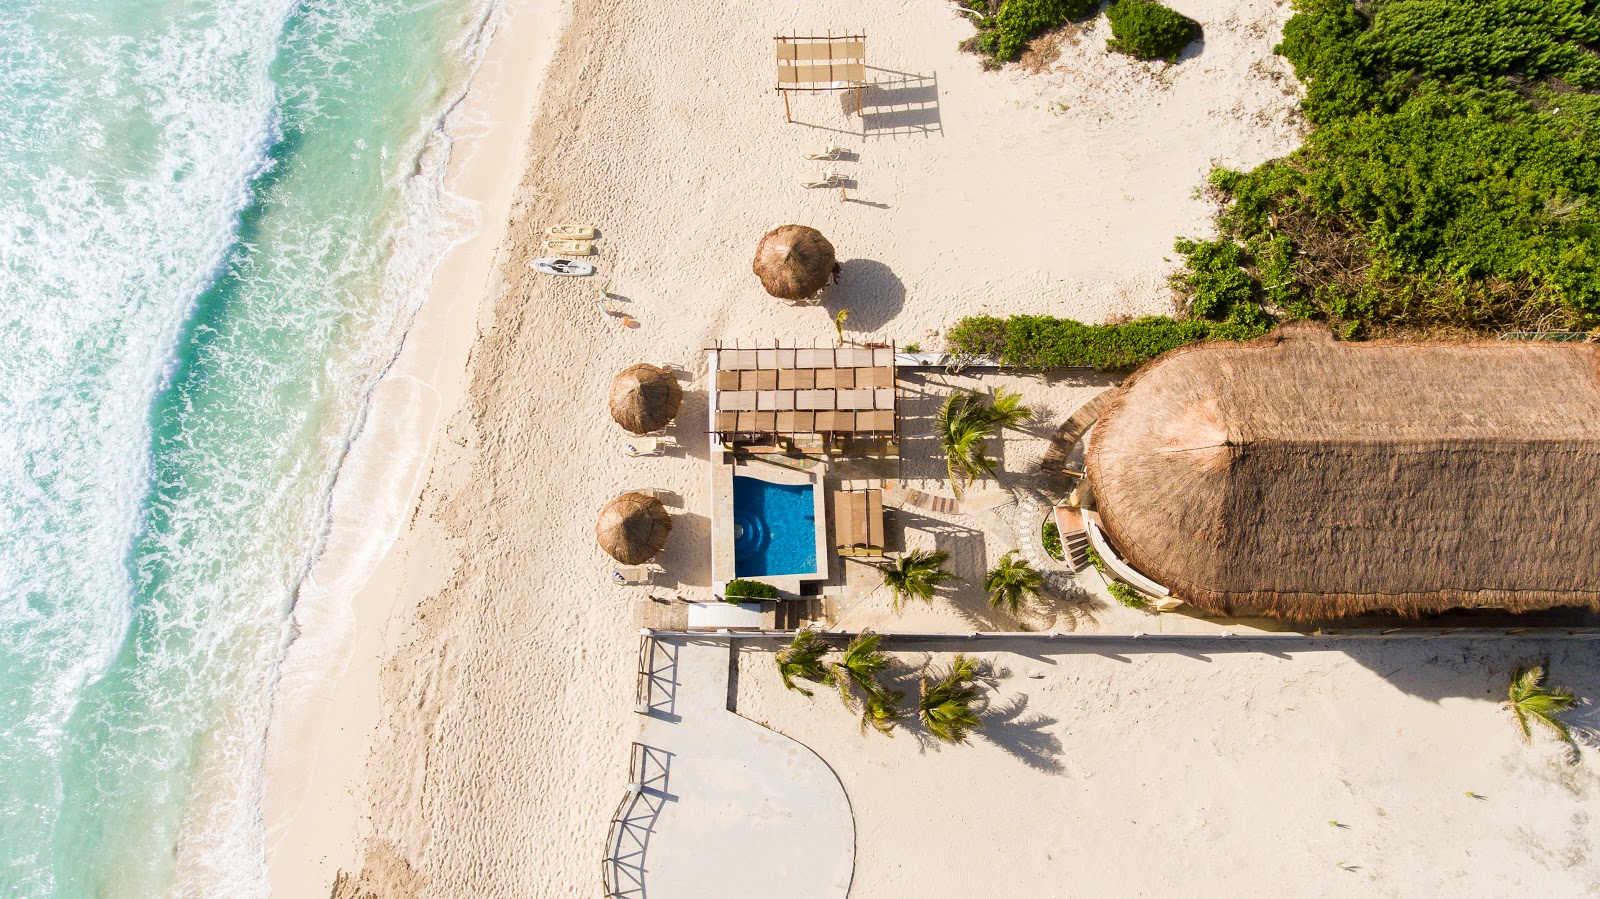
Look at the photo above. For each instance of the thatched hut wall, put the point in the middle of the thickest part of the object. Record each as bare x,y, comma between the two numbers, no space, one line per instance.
1304,477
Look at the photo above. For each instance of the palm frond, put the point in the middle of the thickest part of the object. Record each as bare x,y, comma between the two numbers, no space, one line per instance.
881,711
949,708
916,575
802,659
1011,580
1006,409
1529,698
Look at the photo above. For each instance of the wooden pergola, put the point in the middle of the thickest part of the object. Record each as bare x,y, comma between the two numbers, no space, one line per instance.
821,64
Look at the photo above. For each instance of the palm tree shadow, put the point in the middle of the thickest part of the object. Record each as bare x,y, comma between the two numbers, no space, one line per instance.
1025,736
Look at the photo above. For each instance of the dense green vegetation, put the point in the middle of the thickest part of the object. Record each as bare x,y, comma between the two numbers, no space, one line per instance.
1148,30
1051,535
1041,341
740,590
1126,595
1450,183
1006,26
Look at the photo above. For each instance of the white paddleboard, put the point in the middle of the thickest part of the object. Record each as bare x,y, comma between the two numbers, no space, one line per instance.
557,266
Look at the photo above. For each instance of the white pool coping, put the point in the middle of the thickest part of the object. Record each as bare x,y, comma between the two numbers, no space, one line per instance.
723,561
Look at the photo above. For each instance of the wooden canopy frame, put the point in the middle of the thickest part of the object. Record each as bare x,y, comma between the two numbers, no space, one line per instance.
811,63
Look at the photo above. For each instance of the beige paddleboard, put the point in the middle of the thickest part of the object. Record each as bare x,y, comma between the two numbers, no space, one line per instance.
569,247
570,232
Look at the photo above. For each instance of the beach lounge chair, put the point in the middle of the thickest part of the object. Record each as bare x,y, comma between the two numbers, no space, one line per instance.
570,247
825,154
826,179
858,522
643,446
632,575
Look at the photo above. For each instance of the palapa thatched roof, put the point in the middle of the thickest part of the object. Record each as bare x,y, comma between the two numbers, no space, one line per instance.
633,528
793,262
645,398
1302,477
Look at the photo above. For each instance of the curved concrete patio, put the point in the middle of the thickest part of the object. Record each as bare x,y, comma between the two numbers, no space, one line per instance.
725,807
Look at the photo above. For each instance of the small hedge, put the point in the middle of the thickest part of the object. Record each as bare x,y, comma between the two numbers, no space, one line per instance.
740,590
1148,30
1127,595
1042,341
1007,27
1051,535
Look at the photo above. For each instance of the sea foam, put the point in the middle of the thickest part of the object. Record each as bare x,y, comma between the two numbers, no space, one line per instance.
213,230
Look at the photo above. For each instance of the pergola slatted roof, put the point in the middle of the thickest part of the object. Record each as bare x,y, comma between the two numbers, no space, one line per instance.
812,63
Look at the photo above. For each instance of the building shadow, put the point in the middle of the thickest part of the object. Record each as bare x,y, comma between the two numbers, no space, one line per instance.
872,292
899,103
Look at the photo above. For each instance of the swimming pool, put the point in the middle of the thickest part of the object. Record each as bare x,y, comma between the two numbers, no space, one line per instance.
774,528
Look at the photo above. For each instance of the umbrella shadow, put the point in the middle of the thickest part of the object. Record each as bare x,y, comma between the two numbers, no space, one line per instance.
872,292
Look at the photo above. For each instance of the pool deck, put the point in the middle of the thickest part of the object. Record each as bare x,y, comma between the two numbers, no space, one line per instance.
722,521
725,807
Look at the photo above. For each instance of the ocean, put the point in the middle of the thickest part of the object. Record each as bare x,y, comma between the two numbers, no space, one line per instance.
217,219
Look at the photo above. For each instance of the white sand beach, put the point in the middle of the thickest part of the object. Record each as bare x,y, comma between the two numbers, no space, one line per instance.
473,736
1217,767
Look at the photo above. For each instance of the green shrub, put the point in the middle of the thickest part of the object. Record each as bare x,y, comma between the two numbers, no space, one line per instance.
1006,28
1127,595
740,590
1452,182
1215,281
1042,341
1094,558
1148,30
1051,535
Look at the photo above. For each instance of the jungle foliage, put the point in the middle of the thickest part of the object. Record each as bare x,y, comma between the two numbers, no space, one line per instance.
1450,183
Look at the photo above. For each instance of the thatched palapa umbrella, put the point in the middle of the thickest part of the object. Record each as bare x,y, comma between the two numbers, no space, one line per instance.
645,398
633,528
793,262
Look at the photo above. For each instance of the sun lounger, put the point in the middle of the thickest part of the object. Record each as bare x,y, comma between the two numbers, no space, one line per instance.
826,154
826,179
643,446
632,575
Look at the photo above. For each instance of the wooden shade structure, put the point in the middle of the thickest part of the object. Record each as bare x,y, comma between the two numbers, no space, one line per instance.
644,398
1302,477
633,528
793,262
821,64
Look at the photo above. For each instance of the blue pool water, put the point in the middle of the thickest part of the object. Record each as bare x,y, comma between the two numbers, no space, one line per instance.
775,528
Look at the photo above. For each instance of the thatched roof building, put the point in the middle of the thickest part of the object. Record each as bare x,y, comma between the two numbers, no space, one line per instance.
793,262
633,528
1303,477
644,398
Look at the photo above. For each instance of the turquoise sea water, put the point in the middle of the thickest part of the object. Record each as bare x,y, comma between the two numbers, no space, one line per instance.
216,219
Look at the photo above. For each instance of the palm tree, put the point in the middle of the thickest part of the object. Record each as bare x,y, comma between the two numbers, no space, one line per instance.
857,669
949,708
1530,698
916,574
802,659
839,319
963,426
1006,409
880,711
1010,580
